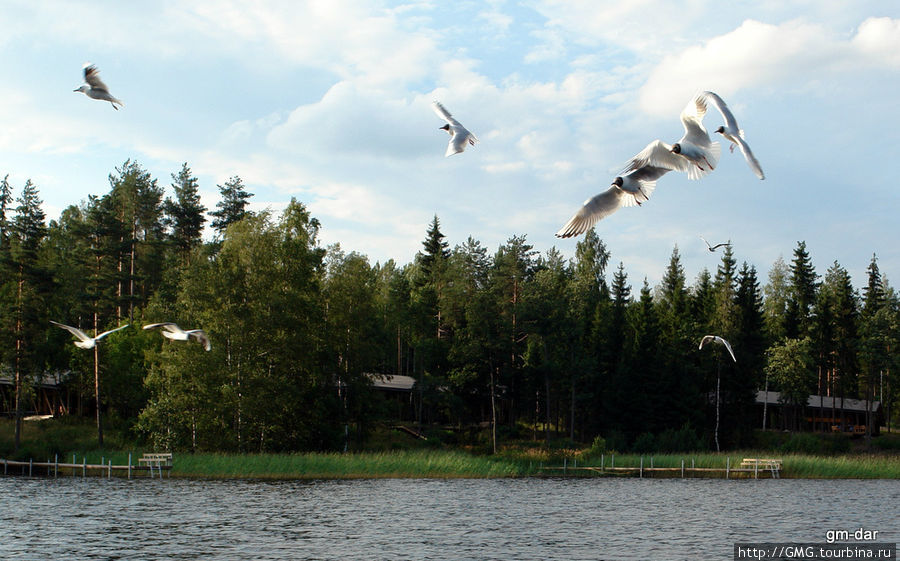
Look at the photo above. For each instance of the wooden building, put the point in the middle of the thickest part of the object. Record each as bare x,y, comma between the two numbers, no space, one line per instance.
820,414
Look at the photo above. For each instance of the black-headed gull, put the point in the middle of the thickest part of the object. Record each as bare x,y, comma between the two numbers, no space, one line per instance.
459,135
95,88
715,338
693,154
712,248
172,331
84,340
732,132
630,189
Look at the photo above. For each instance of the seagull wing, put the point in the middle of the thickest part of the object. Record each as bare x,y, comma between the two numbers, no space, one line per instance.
74,331
708,247
200,336
692,120
92,77
748,155
105,333
443,113
657,154
719,103
594,209
727,346
166,325
706,339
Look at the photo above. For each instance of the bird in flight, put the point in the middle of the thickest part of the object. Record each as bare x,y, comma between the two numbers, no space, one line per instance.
630,189
712,248
459,135
716,339
95,88
172,331
732,132
84,340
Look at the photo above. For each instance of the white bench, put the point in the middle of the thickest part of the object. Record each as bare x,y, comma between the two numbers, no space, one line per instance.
156,460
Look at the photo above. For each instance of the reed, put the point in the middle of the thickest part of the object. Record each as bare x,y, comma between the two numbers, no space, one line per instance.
397,464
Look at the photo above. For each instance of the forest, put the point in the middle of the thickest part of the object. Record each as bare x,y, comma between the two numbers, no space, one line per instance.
526,344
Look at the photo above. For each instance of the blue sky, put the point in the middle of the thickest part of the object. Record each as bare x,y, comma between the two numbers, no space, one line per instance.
329,102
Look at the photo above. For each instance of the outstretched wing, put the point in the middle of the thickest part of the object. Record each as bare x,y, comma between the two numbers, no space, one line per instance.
657,154
92,77
73,330
443,113
201,337
719,103
692,120
595,208
105,333
748,155
166,325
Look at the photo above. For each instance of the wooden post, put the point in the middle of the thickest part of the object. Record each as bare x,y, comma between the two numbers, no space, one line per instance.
83,466
30,465
565,461
73,464
727,466
613,465
682,468
56,465
602,458
756,468
129,465
642,467
5,465
109,473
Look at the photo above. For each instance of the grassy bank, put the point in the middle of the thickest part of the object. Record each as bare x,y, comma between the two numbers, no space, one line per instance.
46,440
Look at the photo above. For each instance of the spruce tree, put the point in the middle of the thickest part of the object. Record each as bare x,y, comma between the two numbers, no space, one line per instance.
232,207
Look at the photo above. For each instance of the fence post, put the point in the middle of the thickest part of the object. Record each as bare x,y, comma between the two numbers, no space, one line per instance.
682,468
129,465
642,467
56,465
727,466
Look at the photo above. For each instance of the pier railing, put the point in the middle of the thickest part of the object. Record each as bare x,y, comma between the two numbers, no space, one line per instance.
153,465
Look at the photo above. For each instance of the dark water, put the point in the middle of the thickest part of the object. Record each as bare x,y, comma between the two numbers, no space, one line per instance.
96,518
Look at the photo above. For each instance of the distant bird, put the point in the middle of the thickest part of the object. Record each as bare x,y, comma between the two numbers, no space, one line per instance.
459,135
715,338
85,341
95,88
172,331
712,248
732,132
630,189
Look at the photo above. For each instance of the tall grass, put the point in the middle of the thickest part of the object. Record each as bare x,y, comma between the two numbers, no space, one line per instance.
395,464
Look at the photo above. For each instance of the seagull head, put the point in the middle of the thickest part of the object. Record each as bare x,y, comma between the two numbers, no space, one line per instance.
445,128
676,148
720,130
618,182
82,89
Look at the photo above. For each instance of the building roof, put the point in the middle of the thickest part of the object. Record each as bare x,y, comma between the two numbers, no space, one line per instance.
822,401
394,382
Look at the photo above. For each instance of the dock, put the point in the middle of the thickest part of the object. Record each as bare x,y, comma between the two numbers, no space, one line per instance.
149,465
748,468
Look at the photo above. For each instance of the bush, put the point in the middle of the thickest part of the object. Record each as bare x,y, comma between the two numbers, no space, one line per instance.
645,443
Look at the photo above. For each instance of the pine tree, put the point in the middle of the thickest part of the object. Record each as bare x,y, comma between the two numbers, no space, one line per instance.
803,288
232,207
185,214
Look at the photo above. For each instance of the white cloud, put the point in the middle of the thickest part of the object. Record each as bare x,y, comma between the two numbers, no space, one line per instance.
791,56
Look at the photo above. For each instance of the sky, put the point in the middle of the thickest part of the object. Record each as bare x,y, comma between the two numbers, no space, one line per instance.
329,102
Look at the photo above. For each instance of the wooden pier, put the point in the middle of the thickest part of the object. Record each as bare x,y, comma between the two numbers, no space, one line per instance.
149,465
749,468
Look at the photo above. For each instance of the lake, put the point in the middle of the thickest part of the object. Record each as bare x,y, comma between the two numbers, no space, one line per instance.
478,519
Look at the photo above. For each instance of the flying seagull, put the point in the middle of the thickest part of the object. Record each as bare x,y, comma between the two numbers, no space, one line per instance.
459,135
732,132
85,341
172,331
630,189
712,248
95,88
715,338
693,154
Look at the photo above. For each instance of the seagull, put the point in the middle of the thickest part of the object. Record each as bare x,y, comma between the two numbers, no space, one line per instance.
630,189
459,135
693,154
172,331
95,88
85,341
732,132
712,248
715,338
